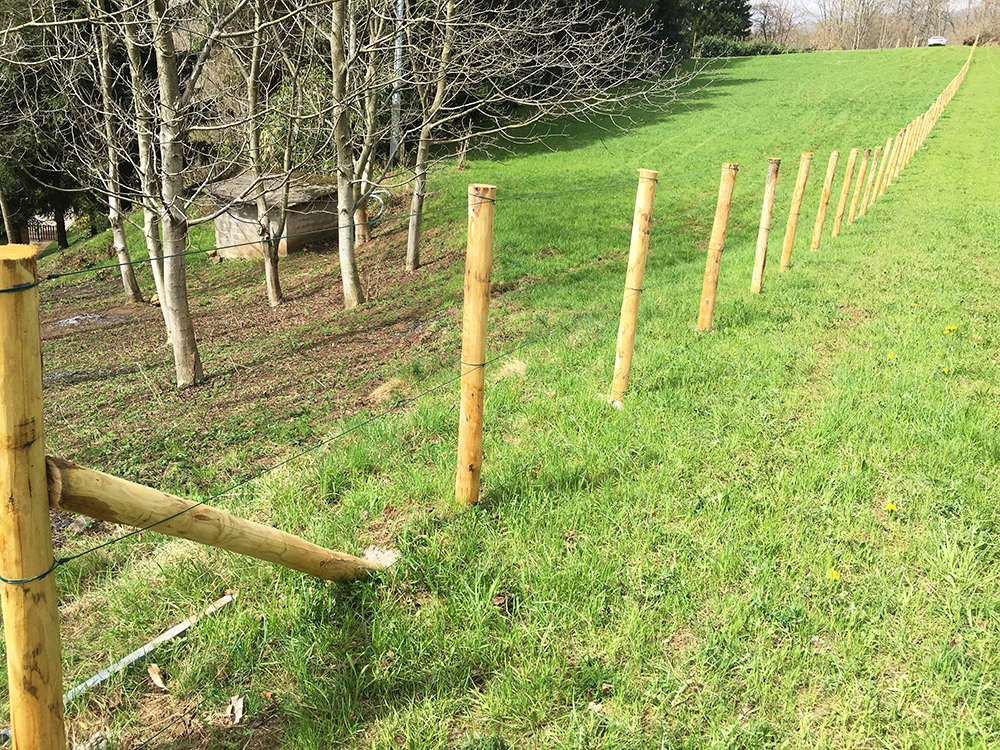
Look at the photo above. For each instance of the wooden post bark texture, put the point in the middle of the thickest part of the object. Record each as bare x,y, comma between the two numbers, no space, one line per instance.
857,186
824,201
92,493
478,271
30,609
890,162
766,211
633,284
871,181
795,210
842,204
716,243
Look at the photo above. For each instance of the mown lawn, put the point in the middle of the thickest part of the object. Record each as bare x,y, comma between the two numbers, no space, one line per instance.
787,538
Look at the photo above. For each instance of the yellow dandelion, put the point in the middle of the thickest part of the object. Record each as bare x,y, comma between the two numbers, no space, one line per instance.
944,370
890,507
891,355
914,304
833,575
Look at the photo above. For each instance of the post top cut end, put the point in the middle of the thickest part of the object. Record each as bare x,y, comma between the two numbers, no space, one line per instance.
17,252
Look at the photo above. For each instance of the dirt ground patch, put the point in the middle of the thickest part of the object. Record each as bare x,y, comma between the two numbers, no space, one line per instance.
275,379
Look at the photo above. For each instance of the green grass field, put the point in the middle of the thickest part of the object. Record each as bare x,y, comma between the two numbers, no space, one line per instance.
787,538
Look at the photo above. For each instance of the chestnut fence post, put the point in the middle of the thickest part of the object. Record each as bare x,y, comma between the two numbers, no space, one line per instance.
824,201
904,139
28,590
475,308
891,163
857,186
760,259
633,284
715,245
881,170
872,165
842,204
795,210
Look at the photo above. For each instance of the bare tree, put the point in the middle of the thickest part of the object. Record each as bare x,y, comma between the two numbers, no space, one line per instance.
113,183
776,20
865,24
480,68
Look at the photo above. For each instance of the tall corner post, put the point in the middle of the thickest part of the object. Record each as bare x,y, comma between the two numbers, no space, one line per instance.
28,593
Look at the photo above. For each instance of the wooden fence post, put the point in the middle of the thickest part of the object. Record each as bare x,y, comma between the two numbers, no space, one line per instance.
904,140
716,243
824,201
842,204
767,209
911,138
795,210
857,186
30,608
633,284
871,180
881,170
890,165
476,306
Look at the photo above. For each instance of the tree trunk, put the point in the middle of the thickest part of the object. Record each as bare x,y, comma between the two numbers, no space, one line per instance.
8,220
353,295
268,244
147,166
424,148
271,280
363,232
62,241
417,203
362,228
132,292
187,362
114,186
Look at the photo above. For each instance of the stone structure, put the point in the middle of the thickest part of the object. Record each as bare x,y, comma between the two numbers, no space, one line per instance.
312,214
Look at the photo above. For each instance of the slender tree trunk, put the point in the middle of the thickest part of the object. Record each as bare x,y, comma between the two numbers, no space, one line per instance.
417,202
353,295
8,220
147,165
423,149
187,362
132,292
62,240
362,229
268,244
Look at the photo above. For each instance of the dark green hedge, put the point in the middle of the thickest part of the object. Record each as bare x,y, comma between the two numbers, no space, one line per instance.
720,46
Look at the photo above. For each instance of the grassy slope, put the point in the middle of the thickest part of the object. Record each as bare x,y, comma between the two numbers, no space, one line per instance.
668,562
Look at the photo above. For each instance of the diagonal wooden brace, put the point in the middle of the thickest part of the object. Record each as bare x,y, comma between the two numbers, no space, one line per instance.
76,489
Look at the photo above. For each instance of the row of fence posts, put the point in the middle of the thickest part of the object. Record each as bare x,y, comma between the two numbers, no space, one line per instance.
868,186
27,586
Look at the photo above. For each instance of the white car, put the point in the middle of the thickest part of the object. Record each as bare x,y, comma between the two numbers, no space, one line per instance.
936,41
